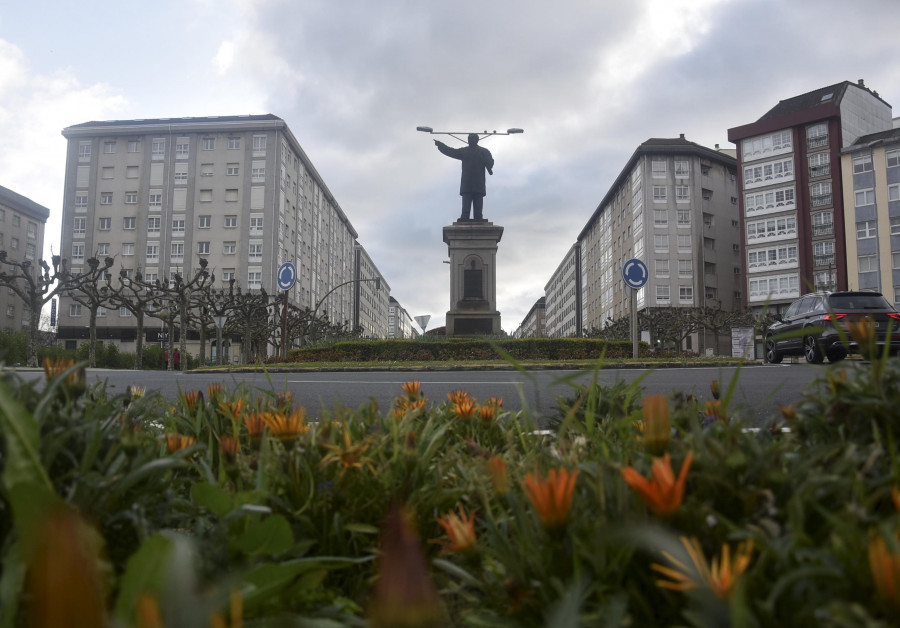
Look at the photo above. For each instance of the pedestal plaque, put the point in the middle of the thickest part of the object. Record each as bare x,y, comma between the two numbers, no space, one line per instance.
473,278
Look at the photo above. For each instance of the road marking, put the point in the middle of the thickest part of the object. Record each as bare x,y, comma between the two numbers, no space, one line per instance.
398,382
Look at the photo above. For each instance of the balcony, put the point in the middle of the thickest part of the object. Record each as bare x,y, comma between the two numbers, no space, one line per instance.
816,142
823,260
820,199
823,229
819,171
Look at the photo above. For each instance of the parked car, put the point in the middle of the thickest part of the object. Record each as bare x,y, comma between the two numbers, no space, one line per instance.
810,326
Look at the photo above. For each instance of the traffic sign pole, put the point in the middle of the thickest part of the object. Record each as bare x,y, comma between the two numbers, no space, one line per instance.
635,274
287,276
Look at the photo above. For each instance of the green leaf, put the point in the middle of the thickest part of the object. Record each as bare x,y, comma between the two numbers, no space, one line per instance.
456,571
362,528
11,582
213,498
270,536
145,572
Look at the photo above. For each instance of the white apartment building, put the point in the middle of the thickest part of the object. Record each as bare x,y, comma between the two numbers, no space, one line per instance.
22,223
400,323
239,191
562,316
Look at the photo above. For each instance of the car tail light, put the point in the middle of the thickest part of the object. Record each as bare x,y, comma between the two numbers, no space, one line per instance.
894,315
833,317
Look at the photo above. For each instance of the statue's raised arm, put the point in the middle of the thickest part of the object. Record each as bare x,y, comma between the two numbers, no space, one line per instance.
475,160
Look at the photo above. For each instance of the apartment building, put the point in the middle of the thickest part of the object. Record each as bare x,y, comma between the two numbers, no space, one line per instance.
400,323
674,206
870,170
533,324
562,294
239,191
22,223
792,209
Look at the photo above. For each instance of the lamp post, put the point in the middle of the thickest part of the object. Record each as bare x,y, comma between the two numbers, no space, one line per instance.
377,281
480,134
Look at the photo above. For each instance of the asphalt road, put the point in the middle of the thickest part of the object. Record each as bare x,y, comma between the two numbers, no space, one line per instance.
760,388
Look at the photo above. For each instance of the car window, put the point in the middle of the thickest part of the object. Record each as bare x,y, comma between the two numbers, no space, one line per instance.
817,306
858,302
792,309
804,305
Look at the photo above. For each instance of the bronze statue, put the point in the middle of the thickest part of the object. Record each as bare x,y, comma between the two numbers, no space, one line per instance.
475,160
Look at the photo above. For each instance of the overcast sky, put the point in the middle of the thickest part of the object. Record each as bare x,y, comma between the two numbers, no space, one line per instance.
587,80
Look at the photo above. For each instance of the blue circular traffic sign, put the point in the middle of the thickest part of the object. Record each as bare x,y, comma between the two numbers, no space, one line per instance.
635,274
287,275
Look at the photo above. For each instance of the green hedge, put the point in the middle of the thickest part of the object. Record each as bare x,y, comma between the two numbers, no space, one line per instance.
461,350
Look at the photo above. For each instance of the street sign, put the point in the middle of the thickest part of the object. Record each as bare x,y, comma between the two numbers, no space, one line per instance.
287,275
635,274
423,321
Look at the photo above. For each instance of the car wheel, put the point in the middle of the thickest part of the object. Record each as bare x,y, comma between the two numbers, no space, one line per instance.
772,355
837,354
811,350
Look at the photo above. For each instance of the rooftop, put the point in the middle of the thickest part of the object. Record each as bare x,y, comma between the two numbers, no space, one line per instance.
17,202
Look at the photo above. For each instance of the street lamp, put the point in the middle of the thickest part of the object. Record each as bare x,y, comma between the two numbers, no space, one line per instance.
480,134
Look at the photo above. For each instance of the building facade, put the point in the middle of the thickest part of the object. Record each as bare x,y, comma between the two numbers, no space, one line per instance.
791,191
674,206
22,223
533,325
870,169
239,191
563,297
400,323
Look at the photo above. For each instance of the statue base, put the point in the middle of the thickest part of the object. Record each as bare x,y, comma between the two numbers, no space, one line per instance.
472,246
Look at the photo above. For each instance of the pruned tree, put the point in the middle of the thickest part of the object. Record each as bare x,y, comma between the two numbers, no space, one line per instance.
251,320
90,294
719,321
137,297
668,324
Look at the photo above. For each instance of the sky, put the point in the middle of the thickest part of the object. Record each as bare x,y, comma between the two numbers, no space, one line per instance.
588,81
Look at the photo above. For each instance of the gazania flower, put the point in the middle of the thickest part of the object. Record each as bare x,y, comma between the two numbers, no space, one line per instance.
177,442
499,476
213,391
885,567
256,423
191,400
715,412
136,391
497,402
721,576
350,456
464,408
486,413
287,426
552,497
789,412
662,493
655,426
461,530
230,445
714,388
458,395
284,401
411,389
232,409
76,381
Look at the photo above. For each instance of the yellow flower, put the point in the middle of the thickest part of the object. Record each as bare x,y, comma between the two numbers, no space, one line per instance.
552,497
177,442
662,493
461,530
657,432
499,476
721,576
286,426
137,392
411,389
885,566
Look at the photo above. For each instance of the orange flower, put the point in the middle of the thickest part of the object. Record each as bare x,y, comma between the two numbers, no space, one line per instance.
657,432
76,381
148,614
411,389
486,413
214,390
885,566
349,456
788,412
287,426
255,422
499,477
177,442
232,409
191,400
714,388
662,493
230,446
552,497
461,530
715,412
497,402
721,576
458,395
464,408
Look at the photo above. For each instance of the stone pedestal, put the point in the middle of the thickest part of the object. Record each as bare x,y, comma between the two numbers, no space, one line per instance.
473,278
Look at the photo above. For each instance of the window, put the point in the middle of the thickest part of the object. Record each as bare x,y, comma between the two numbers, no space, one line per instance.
152,253
128,248
153,224
894,192
255,251
158,149
232,170
662,293
108,172
895,225
79,227
106,198
254,278
258,173
178,224
865,197
181,173
867,263
227,274
866,229
662,268
134,146
661,243
708,220
104,224
895,261
29,250
207,170
204,222
658,168
256,224
130,198
893,158
208,143
155,201
259,145
682,167
176,251
862,163
685,268
101,312
129,222
230,222
231,196
682,194
206,196
660,218
234,143
659,194
77,251
132,172
14,245
203,248
228,248
109,147
84,151
684,217
823,248
182,148
685,294
81,202
684,242
74,310
124,312
17,220
103,249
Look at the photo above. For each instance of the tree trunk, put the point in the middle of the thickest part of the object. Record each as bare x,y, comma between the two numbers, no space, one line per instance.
139,341
92,342
170,343
33,330
182,343
202,342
